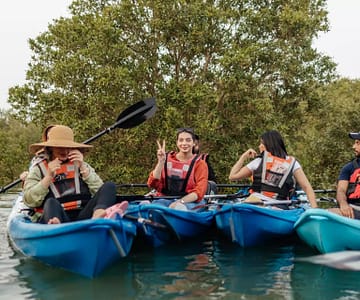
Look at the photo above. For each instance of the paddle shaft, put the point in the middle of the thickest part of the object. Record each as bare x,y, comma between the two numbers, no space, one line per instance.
144,185
130,198
215,196
10,185
139,112
324,191
141,220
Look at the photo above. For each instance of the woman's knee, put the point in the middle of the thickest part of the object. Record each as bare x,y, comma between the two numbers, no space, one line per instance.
51,202
109,187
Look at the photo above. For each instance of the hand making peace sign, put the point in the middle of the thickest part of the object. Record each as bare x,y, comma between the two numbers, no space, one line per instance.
161,153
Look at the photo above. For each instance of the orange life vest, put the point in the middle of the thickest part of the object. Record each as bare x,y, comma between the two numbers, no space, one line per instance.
273,177
353,191
204,156
178,176
67,186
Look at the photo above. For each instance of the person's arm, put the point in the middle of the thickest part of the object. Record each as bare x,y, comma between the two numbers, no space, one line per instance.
154,183
91,178
341,198
341,191
304,183
157,170
238,171
36,187
88,174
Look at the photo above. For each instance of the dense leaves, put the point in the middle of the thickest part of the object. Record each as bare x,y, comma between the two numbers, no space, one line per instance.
229,69
328,146
15,138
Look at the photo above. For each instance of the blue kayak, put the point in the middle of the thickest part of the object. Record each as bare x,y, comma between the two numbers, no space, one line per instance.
84,247
328,232
252,225
167,225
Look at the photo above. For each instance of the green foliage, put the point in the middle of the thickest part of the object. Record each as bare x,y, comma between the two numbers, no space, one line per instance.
15,138
326,144
229,69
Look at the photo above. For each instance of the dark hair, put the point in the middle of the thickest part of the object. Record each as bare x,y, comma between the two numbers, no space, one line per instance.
274,143
44,136
196,139
185,129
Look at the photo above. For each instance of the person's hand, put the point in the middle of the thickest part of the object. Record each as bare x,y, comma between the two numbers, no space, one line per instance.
250,153
161,153
76,157
347,211
23,175
178,205
53,166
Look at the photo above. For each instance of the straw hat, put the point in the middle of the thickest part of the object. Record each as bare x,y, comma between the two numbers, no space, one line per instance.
59,136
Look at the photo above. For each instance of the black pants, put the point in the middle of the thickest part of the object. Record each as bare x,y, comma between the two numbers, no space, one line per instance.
357,212
104,198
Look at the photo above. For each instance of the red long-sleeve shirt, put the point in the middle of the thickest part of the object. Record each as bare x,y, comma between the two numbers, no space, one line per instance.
200,176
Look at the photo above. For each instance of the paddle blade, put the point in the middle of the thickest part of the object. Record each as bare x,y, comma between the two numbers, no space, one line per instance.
136,114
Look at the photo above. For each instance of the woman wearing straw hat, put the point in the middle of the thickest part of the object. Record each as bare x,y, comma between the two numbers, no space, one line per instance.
61,187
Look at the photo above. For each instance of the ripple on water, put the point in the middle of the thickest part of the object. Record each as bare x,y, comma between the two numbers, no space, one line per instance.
10,285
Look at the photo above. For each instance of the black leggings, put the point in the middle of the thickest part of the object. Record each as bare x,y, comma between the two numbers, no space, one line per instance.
356,213
104,198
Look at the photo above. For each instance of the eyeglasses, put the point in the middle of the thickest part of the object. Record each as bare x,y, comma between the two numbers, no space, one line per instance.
185,129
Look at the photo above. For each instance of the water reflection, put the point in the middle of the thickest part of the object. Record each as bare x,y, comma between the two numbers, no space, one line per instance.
311,281
166,273
178,272
8,262
45,282
256,271
213,270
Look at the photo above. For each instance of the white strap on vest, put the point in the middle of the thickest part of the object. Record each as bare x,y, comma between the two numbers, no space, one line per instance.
284,175
52,186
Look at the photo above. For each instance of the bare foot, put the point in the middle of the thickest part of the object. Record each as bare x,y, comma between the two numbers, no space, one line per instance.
54,220
99,213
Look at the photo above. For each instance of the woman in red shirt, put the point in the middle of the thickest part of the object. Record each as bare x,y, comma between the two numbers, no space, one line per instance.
181,173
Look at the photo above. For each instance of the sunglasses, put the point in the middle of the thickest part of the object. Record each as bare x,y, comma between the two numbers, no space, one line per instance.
185,129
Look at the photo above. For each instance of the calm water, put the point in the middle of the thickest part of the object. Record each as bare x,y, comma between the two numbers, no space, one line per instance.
212,269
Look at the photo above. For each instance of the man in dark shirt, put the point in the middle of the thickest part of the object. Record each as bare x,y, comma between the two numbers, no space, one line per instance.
348,187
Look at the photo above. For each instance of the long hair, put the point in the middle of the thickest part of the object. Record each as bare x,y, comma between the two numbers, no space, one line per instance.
274,143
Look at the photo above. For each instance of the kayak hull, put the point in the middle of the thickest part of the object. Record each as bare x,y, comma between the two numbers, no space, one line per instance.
250,225
328,232
170,225
84,247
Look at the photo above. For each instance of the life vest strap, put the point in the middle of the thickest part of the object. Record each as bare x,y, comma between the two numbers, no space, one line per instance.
76,204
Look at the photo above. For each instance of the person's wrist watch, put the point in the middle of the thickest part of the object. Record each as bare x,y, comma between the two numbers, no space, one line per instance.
182,201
